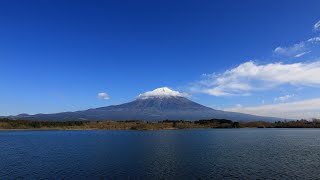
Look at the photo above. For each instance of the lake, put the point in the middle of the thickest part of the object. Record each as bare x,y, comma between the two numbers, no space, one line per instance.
167,154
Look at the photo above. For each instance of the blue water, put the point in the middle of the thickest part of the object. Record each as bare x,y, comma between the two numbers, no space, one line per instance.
172,154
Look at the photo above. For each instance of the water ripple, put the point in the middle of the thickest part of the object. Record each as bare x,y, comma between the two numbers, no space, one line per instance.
179,154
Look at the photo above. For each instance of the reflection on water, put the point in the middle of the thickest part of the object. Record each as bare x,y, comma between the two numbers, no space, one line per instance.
183,154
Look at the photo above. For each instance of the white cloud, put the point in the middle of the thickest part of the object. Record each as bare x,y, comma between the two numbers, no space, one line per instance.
302,54
294,110
316,27
284,98
314,40
103,95
217,91
250,76
163,91
297,50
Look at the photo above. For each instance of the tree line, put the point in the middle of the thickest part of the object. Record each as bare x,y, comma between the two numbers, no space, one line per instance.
145,125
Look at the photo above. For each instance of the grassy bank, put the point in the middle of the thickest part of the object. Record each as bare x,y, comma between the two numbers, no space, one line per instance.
143,125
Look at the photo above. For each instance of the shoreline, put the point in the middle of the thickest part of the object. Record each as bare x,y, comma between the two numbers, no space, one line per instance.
7,124
167,129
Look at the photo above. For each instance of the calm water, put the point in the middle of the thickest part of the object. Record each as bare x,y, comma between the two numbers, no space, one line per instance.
183,154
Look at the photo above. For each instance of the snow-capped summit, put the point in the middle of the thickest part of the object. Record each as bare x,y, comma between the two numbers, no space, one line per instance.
161,92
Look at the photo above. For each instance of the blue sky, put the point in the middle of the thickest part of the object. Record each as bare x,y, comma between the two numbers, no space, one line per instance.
58,55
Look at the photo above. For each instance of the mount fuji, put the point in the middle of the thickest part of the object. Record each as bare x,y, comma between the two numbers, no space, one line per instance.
159,104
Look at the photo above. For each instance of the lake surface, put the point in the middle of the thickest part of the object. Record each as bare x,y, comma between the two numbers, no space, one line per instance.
171,154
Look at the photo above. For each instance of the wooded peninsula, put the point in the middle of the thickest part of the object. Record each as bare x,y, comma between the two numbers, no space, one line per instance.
8,124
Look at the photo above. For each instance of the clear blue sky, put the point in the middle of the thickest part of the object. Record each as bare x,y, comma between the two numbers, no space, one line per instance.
58,55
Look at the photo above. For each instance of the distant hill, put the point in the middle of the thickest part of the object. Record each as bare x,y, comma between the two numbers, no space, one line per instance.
157,105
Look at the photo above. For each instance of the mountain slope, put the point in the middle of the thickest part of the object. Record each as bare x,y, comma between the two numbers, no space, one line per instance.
153,108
